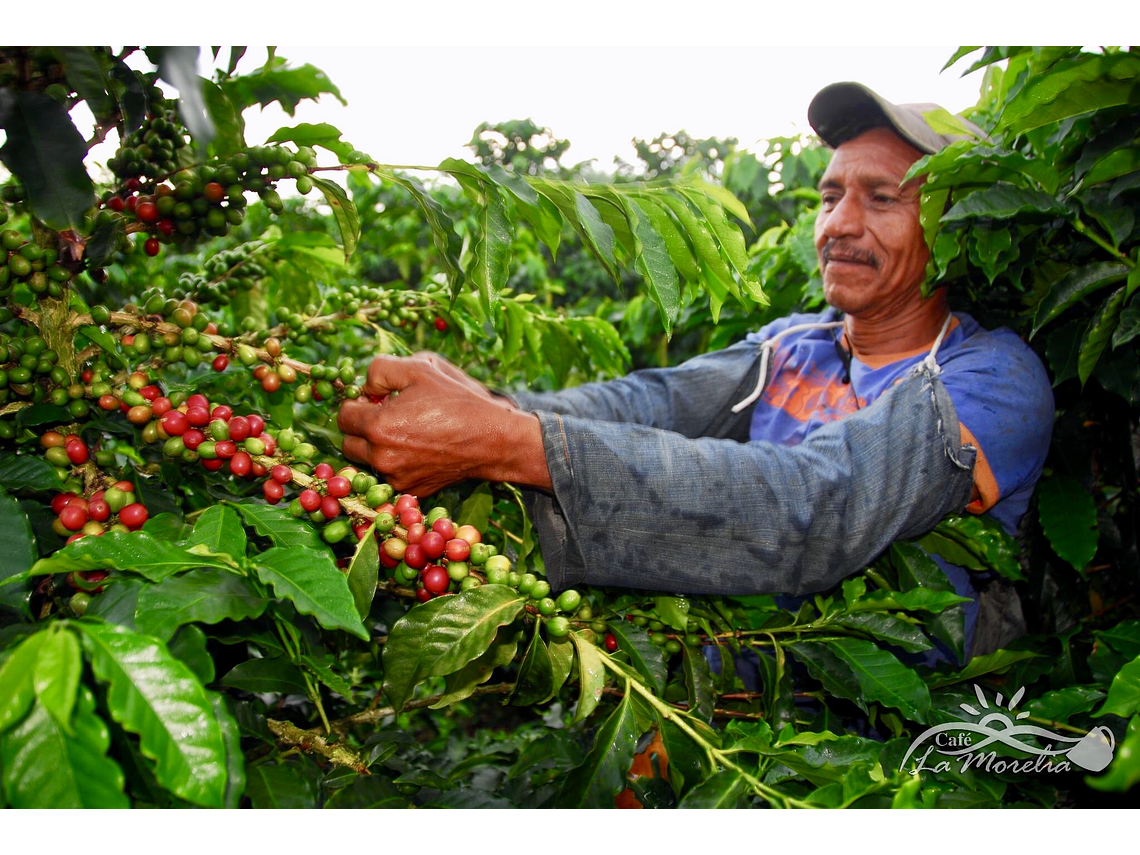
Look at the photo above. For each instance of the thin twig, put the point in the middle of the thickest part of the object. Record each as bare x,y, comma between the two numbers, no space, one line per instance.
313,743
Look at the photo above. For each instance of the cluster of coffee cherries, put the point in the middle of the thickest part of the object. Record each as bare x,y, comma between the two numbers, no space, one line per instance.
670,642
227,272
35,266
29,369
190,345
207,200
151,150
398,309
112,509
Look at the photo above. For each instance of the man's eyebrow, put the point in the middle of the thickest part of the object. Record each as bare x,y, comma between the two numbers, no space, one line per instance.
867,181
829,184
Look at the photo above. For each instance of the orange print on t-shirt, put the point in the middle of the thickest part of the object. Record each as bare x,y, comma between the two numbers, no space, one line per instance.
811,394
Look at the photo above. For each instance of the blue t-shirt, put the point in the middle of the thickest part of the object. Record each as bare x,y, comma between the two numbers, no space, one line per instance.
999,387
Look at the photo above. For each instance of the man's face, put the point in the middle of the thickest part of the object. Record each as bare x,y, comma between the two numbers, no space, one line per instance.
871,250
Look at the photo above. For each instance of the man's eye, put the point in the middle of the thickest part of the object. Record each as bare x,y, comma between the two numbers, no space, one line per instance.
883,199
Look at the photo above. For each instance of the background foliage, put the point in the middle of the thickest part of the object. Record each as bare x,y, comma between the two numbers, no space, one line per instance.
235,657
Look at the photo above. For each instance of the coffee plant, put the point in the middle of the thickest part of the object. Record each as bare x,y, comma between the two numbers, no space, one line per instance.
202,604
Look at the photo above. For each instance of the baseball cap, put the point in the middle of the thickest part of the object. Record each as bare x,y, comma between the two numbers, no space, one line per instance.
842,111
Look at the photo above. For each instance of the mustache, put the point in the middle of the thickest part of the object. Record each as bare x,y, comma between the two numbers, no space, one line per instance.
845,252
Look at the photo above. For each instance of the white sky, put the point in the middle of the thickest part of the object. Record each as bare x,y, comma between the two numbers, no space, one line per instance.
598,98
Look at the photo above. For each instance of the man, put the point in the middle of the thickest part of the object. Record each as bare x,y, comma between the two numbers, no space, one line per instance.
783,463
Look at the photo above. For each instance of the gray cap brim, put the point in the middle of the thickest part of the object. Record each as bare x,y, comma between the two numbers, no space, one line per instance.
842,111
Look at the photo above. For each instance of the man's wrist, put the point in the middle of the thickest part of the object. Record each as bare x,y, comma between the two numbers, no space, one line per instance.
520,453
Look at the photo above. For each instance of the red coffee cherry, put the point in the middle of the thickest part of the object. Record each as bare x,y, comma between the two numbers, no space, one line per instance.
414,556
441,324
221,362
611,642
433,545
310,500
256,424
193,438
198,400
240,464
222,412
407,500
330,508
60,501
116,203
457,550
175,423
225,449
435,579
73,517
281,473
272,489
214,192
445,527
323,471
98,510
147,212
338,487
77,452
198,416
423,595
410,517
415,533
150,392
133,516
162,406
239,428
212,465
152,247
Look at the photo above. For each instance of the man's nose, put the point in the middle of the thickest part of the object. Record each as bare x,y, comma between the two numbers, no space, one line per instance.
845,219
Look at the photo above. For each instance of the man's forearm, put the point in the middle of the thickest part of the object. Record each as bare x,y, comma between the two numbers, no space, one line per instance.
637,507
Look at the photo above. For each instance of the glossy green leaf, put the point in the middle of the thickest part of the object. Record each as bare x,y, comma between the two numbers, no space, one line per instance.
372,792
281,527
56,675
1079,85
27,472
45,151
561,662
43,766
135,551
704,246
459,685
117,604
591,675
646,657
1099,331
1003,201
1129,326
906,636
698,683
312,582
862,672
267,675
726,789
321,135
672,611
990,663
535,682
1123,638
226,118
282,786
1124,693
189,647
1075,285
1068,517
19,554
204,596
729,237
986,544
178,66
916,599
444,238
602,775
585,220
651,258
277,81
441,636
344,213
17,680
364,571
664,224
154,696
87,75
1063,704
169,527
235,760
491,265
321,668
219,529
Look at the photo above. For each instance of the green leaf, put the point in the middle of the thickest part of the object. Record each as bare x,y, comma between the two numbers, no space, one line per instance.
321,134
643,654
344,213
267,675
226,118
561,662
491,266
591,676
19,554
986,544
178,66
1004,201
896,631
170,527
312,582
917,599
861,671
87,76
1129,326
117,604
704,246
698,683
281,527
990,663
135,551
56,675
1063,704
156,697
1123,638
1067,513
477,509
284,786
322,669
439,637
45,151
1123,695
728,235
652,260
726,789
602,775
672,611
459,685
1124,771
1096,337
446,241
189,647
235,760
1071,87
535,681
275,81
1075,285
364,571
206,596
219,530
25,472
17,681
374,791
586,221
42,766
